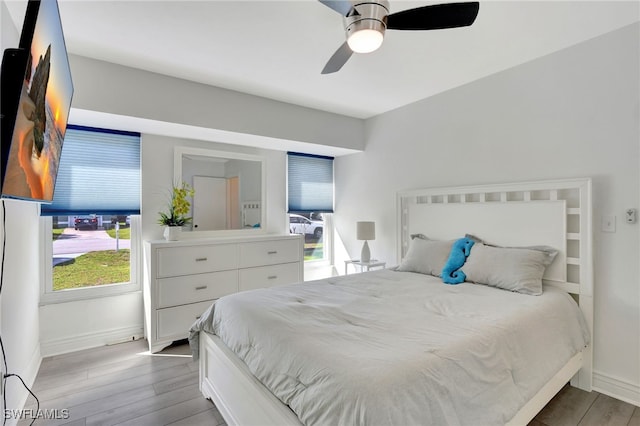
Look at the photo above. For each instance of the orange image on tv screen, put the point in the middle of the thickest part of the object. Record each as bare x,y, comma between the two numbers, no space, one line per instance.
41,118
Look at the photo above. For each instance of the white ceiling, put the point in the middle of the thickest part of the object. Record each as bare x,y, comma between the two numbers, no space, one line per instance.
277,49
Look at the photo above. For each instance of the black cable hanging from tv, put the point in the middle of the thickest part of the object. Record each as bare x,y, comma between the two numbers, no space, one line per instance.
4,355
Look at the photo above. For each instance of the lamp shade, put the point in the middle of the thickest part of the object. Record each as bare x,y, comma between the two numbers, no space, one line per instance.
366,231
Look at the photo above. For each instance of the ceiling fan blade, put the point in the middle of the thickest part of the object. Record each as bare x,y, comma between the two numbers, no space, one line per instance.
434,17
339,58
343,7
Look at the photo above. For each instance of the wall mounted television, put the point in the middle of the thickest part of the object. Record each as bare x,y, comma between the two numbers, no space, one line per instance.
36,89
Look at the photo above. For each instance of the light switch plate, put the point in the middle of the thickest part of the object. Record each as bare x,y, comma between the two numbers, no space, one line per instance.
608,223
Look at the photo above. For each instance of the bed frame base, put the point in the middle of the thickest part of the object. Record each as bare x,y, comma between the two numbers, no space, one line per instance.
238,395
243,400
548,391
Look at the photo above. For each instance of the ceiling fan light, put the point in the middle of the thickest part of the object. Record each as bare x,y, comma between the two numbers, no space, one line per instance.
365,40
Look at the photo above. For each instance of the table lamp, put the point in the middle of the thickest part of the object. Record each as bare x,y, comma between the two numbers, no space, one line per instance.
365,231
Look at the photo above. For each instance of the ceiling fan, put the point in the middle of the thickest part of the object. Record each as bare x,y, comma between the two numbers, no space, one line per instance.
366,22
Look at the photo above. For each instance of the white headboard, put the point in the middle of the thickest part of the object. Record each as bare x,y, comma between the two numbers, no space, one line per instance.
251,213
555,213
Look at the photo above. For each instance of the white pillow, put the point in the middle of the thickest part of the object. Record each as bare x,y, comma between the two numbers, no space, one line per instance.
517,269
426,256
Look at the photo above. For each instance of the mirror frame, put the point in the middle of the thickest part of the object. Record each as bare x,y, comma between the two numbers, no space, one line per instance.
180,151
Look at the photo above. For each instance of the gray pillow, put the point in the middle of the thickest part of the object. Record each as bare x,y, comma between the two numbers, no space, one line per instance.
517,269
426,256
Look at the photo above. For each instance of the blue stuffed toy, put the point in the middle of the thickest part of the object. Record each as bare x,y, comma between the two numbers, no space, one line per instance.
459,252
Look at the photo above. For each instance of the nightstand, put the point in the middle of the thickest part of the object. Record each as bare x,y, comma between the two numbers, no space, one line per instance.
364,266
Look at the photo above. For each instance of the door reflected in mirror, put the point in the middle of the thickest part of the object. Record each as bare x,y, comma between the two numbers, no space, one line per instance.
228,188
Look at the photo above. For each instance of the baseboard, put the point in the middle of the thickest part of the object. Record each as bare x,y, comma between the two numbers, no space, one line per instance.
616,388
90,340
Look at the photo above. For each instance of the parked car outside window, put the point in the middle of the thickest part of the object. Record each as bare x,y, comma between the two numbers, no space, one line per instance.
301,225
86,222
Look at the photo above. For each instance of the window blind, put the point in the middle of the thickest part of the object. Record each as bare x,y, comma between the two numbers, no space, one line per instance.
309,183
99,173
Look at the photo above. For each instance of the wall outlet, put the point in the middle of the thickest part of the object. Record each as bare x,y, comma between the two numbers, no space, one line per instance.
608,223
631,216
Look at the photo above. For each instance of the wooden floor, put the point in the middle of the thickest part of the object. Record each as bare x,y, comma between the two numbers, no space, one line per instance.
125,385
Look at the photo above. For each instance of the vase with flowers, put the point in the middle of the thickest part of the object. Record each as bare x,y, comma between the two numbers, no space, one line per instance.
176,217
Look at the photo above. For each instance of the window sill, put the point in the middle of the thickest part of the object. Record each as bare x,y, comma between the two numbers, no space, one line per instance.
87,293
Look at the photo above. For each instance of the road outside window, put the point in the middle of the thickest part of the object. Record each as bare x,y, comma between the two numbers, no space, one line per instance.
90,250
312,226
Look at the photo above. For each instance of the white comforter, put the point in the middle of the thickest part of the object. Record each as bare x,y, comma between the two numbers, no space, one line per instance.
399,348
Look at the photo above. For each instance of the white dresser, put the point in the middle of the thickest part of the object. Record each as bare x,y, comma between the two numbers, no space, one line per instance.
183,278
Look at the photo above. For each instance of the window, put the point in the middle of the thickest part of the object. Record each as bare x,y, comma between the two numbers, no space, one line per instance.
309,183
91,230
310,202
313,230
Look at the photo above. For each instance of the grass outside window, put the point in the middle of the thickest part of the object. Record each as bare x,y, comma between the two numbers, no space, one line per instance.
313,251
93,269
123,233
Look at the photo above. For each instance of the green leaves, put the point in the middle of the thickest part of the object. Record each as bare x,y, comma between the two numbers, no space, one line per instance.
179,206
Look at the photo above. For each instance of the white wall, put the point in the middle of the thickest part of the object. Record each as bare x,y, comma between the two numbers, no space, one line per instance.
21,276
115,89
194,167
82,324
249,175
574,113
20,295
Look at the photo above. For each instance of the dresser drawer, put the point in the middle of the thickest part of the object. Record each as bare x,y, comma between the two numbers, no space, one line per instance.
175,322
268,276
195,288
269,252
176,261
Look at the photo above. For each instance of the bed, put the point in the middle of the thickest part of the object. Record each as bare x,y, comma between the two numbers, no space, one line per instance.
472,354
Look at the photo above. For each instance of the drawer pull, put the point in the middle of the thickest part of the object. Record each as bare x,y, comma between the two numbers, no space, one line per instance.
272,277
201,259
272,252
202,287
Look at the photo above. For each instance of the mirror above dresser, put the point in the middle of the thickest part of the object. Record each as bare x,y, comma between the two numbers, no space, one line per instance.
229,191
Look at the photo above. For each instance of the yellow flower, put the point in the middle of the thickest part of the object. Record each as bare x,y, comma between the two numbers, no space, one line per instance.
178,206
